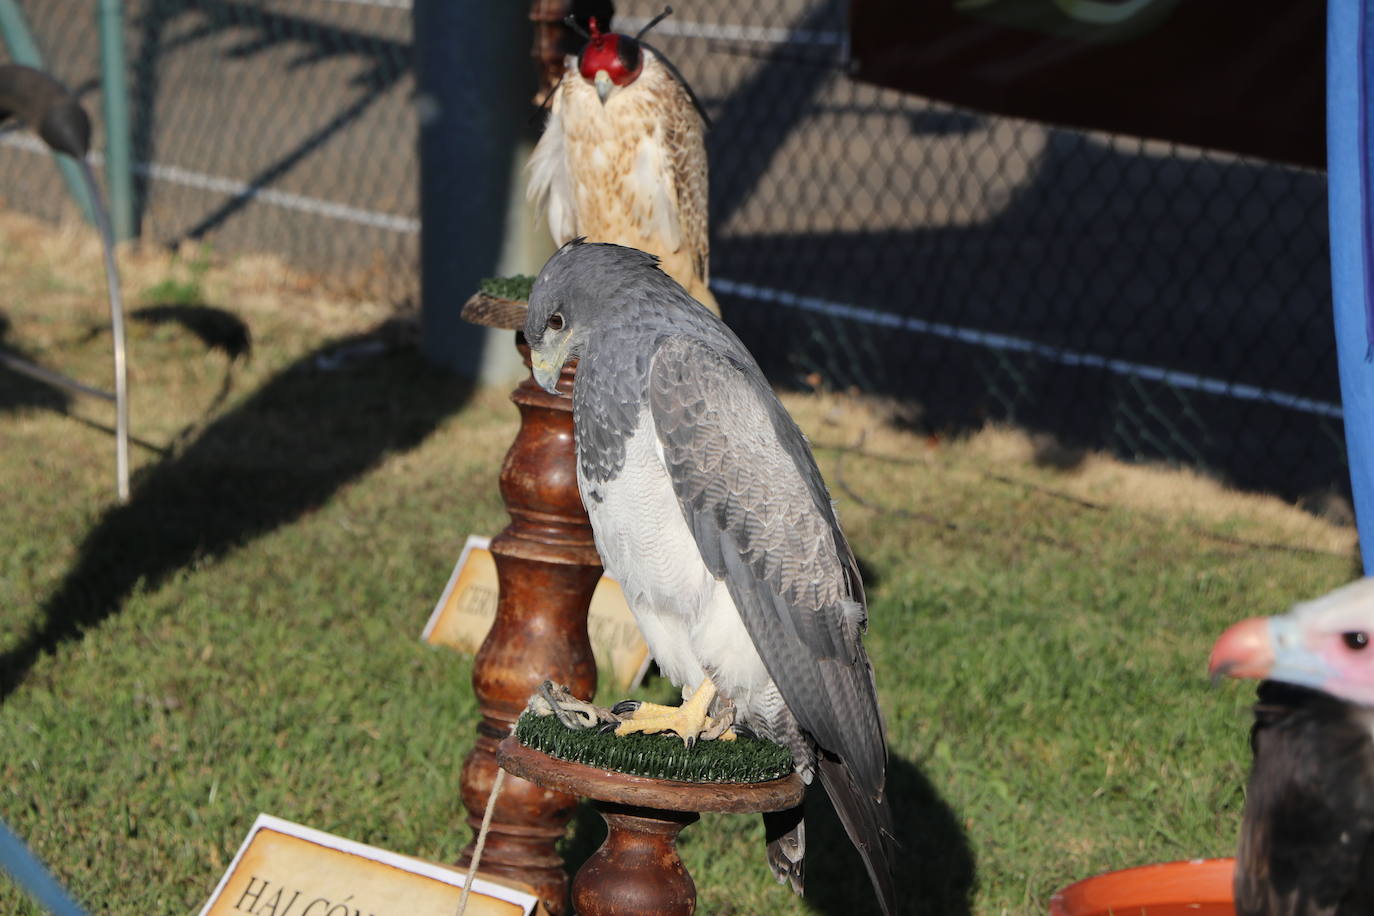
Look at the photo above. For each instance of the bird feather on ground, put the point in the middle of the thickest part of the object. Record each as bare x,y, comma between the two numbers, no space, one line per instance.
708,508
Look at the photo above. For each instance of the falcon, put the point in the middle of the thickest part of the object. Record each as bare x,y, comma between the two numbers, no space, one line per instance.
1307,834
707,506
623,158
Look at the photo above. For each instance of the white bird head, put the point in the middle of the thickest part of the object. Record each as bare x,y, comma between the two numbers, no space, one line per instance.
1323,644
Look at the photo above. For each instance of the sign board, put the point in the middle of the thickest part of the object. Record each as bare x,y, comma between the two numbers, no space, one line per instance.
467,608
286,869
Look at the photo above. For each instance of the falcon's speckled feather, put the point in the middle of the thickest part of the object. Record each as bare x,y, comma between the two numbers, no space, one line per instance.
623,159
708,507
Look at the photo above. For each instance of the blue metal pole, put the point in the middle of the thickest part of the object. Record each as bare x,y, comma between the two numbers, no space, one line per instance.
119,176
19,39
474,105
16,859
1350,171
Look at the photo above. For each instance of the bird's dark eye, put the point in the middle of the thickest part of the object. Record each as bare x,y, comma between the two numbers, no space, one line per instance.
1356,640
555,322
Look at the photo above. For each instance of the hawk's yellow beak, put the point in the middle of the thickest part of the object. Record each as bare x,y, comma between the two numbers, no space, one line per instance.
546,372
603,85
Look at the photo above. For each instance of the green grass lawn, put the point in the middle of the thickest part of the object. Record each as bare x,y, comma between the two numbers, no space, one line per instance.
244,635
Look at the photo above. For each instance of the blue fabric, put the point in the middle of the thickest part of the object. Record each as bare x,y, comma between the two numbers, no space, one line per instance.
1364,123
30,874
1350,170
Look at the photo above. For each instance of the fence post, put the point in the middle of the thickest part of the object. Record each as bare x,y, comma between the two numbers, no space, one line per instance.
114,92
15,30
474,85
1350,171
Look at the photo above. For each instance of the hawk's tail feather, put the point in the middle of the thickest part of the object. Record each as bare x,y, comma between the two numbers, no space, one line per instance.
786,833
868,821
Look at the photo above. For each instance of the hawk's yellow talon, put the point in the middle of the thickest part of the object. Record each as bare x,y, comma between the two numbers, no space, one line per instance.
688,721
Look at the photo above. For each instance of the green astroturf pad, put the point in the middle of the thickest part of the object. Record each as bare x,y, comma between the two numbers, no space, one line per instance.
661,756
516,287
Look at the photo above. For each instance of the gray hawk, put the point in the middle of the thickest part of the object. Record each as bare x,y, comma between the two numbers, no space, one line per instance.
707,506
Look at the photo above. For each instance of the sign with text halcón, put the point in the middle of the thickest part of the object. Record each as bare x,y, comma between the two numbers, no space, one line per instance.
286,869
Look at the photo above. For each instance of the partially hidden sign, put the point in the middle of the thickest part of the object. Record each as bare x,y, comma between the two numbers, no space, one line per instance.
285,869
467,608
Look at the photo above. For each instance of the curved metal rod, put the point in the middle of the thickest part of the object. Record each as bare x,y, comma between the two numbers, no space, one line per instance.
49,377
102,222
54,114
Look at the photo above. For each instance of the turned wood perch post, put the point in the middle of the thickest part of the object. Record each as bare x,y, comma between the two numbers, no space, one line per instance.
637,871
547,568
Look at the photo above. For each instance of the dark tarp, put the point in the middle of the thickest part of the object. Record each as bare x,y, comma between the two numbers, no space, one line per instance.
1239,75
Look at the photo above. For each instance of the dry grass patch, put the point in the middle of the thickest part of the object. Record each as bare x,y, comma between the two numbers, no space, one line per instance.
243,636
855,426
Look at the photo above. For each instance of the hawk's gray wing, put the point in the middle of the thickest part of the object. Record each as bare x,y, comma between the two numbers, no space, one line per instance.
762,518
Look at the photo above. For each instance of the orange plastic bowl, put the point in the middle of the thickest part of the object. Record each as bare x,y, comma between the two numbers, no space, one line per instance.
1198,887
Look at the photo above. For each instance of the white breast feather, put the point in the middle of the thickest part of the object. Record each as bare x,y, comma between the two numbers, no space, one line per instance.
686,615
652,200
549,186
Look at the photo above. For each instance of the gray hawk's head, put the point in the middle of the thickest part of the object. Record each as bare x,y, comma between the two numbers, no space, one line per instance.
584,288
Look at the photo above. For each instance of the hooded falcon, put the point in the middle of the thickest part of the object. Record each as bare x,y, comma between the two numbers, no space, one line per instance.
707,506
1307,835
623,158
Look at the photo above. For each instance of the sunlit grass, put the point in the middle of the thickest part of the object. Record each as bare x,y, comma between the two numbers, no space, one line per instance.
249,625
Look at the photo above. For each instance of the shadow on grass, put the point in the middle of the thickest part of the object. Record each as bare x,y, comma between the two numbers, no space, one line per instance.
216,328
934,867
23,392
278,456
586,832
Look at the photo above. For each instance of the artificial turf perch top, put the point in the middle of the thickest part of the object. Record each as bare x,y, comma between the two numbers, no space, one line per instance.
516,288
660,756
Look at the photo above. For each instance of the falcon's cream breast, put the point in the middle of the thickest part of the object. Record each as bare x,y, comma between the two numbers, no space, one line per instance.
630,171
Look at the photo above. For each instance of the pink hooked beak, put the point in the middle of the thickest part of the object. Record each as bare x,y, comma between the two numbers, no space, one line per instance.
1245,650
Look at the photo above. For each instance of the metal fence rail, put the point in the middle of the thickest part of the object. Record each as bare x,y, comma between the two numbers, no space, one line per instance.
1145,297
270,125
1152,299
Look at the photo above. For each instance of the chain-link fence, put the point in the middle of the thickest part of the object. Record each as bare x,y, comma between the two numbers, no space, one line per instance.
265,125
1156,300
1153,299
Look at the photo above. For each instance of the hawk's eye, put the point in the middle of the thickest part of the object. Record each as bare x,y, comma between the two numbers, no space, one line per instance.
1356,640
555,322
